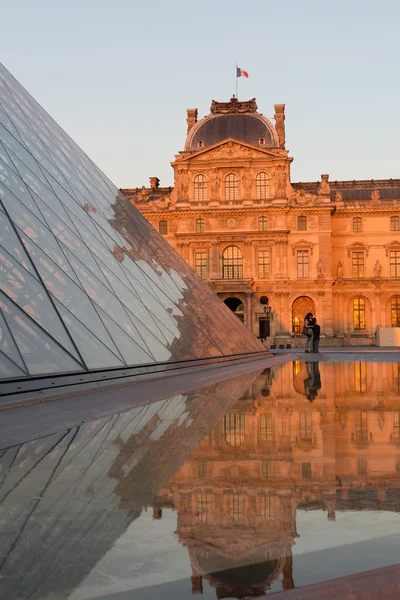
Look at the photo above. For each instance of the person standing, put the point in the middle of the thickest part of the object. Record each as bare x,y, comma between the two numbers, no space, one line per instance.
308,332
316,336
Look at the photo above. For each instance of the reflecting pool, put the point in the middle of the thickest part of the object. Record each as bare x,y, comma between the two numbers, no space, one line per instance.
267,482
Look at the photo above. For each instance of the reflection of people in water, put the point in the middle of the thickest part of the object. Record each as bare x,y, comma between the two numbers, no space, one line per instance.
312,383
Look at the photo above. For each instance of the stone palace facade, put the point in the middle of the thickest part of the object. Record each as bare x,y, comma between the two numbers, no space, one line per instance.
273,249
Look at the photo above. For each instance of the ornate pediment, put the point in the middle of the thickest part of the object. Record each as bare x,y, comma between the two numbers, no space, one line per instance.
357,247
303,245
395,245
233,106
231,149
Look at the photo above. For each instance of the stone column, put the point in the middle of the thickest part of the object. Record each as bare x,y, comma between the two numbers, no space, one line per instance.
278,258
214,260
247,272
249,311
284,251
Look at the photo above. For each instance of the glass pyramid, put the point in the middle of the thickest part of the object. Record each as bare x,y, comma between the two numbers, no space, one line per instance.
85,281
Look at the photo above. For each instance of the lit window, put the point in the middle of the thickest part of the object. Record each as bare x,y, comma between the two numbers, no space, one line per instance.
235,507
302,223
232,263
262,223
267,468
263,264
234,429
306,427
201,264
358,264
359,313
231,187
204,503
163,227
200,188
396,377
262,186
395,309
267,507
362,466
296,325
360,376
396,426
357,224
306,472
361,434
395,263
199,225
302,263
266,428
394,223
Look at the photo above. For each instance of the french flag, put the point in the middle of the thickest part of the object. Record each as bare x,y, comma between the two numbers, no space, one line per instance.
241,73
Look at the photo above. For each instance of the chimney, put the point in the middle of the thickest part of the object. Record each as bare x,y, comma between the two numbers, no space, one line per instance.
280,123
154,182
191,118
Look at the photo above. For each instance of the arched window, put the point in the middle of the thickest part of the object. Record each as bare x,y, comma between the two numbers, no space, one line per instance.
302,223
231,187
395,310
200,188
262,223
357,224
234,429
262,186
199,225
232,263
394,223
163,227
359,313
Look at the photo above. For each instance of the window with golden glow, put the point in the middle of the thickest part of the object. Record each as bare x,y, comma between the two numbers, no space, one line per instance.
199,225
262,186
234,429
395,310
263,264
306,427
204,503
395,223
232,263
231,187
395,263
302,263
360,376
200,188
361,433
262,223
235,507
296,325
163,227
396,377
359,313
267,507
201,264
357,224
302,223
358,264
266,428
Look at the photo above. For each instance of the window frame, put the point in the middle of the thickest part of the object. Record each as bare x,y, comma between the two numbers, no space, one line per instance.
395,223
358,264
304,223
395,311
359,322
201,263
200,225
163,225
262,186
357,225
200,188
264,264
303,266
231,187
394,263
262,223
234,268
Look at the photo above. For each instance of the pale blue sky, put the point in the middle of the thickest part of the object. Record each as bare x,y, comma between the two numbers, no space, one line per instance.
118,76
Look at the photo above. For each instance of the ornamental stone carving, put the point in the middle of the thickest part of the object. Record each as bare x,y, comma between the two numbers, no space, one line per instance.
377,269
340,270
231,223
215,182
338,196
320,269
312,222
375,194
247,181
280,181
324,189
191,225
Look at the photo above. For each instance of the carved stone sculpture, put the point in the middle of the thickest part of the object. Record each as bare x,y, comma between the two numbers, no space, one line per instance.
338,196
280,181
320,268
340,270
247,181
324,188
377,269
375,194
215,181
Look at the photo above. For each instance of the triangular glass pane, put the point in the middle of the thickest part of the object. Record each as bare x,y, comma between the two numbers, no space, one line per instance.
94,353
31,296
9,369
11,187
11,243
133,353
7,344
39,351
158,348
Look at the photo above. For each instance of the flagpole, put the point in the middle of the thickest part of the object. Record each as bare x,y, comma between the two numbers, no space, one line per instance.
236,82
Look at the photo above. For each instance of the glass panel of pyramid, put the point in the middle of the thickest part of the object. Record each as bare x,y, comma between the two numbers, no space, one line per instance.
85,281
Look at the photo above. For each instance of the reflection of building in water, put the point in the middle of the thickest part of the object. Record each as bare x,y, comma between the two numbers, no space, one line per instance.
66,499
275,452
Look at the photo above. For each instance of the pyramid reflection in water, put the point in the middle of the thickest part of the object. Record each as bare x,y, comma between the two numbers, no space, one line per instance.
85,281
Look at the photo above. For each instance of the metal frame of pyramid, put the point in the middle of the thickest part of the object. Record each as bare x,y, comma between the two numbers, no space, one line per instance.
86,283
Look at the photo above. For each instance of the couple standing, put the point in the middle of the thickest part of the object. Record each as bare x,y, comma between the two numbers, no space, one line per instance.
312,330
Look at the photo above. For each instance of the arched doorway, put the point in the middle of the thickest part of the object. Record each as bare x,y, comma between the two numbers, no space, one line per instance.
301,306
236,306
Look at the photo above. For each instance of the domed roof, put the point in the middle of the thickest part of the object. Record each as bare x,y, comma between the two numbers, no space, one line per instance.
236,120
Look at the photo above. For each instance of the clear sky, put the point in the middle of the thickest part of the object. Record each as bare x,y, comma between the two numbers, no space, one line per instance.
118,76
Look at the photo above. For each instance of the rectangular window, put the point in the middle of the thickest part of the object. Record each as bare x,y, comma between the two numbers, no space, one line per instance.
362,466
358,264
361,434
360,376
204,503
395,263
267,507
306,427
396,426
264,264
359,313
267,468
266,428
201,264
302,263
